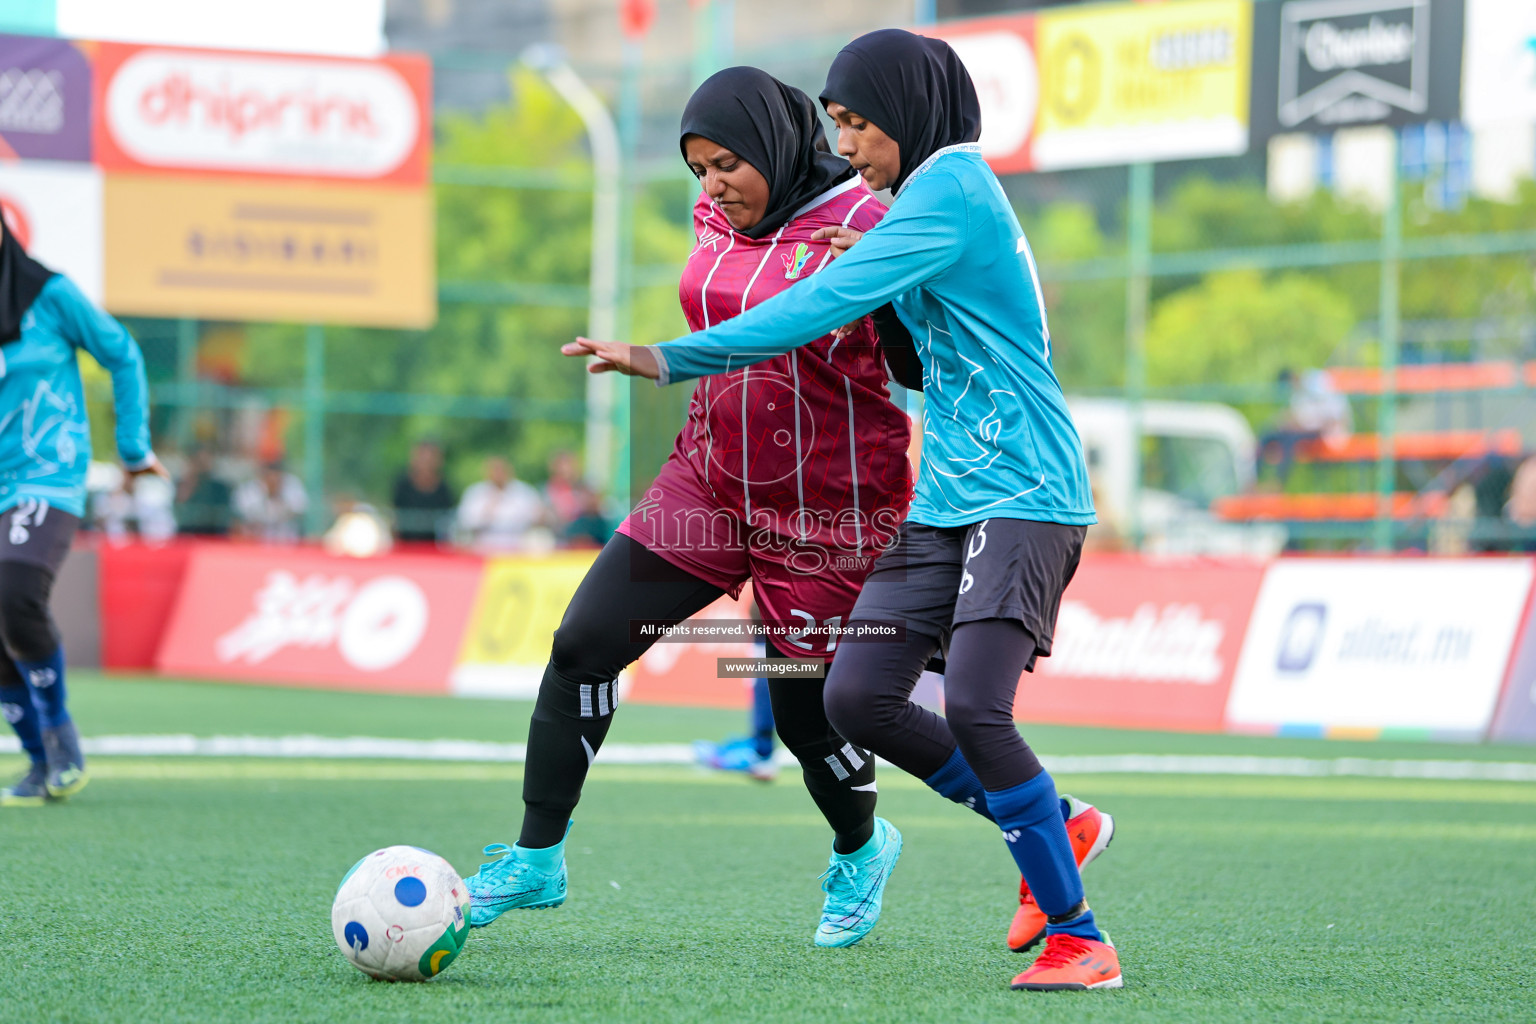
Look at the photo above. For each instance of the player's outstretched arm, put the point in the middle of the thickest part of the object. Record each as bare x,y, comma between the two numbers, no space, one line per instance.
616,357
920,237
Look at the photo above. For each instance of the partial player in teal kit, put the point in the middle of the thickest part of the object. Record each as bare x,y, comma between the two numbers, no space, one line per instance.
45,447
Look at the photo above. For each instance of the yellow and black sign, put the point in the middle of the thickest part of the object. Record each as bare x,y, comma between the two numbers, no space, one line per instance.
1130,83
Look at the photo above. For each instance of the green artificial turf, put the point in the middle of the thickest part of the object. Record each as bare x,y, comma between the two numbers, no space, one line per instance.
118,705
188,889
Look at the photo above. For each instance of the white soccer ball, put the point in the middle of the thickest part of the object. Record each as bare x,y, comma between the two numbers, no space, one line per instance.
401,914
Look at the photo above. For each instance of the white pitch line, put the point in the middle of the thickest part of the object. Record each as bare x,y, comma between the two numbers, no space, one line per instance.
379,749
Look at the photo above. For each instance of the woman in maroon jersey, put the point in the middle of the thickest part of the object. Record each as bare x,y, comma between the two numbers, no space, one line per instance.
791,473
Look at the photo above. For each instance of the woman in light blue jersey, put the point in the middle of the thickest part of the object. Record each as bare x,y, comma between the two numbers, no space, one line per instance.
1002,502
45,446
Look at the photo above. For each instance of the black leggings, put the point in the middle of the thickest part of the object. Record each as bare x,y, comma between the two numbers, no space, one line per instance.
26,625
27,629
577,698
869,691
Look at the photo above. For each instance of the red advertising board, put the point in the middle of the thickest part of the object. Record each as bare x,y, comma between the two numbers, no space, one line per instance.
1000,55
302,617
162,109
138,587
1144,645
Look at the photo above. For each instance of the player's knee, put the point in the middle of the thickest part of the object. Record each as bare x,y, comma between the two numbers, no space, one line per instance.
585,651
971,718
854,713
25,623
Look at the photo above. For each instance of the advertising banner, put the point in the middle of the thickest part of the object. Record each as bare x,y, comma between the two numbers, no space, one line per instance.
1325,64
350,27
55,211
241,250
1143,645
1380,645
1142,82
1515,720
45,100
520,603
999,54
301,617
205,112
1500,81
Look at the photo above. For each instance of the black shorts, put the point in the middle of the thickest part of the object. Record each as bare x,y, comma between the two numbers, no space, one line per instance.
35,532
935,578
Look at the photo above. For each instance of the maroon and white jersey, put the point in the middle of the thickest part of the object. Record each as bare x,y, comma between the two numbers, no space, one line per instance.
792,472
807,446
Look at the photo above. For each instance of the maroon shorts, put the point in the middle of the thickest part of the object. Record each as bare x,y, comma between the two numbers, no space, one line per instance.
803,586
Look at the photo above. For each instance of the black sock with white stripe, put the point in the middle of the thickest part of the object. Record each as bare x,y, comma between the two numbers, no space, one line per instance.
569,723
839,775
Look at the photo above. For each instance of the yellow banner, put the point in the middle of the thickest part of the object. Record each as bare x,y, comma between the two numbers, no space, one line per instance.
1131,83
521,602
238,250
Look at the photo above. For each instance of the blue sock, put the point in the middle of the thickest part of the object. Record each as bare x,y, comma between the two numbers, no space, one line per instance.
21,712
959,783
46,678
1030,815
762,718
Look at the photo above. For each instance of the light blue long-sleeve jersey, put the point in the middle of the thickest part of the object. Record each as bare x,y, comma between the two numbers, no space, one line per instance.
950,256
45,438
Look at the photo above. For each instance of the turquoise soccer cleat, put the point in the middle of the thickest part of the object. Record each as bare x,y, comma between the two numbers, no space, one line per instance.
515,881
855,885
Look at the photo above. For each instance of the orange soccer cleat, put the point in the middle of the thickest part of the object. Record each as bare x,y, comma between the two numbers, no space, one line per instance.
1090,830
1069,962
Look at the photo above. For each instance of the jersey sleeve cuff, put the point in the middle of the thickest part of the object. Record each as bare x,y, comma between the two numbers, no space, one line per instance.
134,465
663,371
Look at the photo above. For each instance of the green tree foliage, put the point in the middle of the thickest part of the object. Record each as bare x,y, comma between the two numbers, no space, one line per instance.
1240,327
1087,318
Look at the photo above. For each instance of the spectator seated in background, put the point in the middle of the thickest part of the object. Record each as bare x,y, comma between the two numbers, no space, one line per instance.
566,494
202,498
591,528
270,508
422,498
1315,412
501,512
1520,510
123,505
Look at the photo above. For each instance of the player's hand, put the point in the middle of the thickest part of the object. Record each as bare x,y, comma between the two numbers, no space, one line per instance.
615,356
842,239
847,329
152,468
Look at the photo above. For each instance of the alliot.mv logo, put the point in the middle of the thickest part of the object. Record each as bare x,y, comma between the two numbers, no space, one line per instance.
1301,637
1353,61
271,115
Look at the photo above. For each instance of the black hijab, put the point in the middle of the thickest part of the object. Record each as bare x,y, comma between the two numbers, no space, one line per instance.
912,87
21,278
775,128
